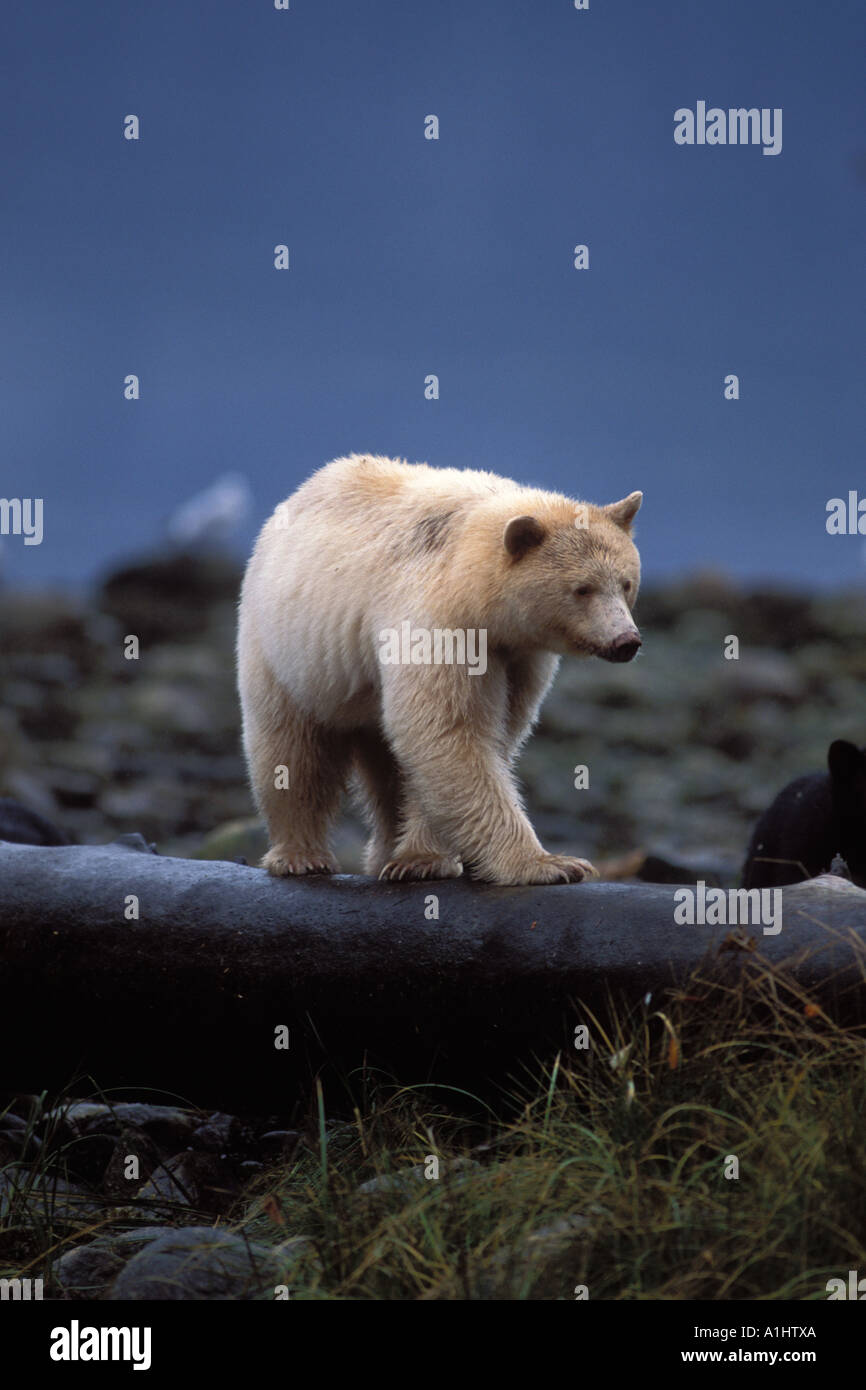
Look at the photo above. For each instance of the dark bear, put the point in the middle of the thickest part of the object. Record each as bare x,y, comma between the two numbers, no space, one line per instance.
813,820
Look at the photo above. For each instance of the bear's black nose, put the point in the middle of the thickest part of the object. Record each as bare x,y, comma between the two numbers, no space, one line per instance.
625,647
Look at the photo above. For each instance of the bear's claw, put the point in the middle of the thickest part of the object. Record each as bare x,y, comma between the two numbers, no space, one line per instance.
405,870
288,863
551,868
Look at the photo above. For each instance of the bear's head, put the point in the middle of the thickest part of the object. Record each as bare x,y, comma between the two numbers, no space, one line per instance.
570,580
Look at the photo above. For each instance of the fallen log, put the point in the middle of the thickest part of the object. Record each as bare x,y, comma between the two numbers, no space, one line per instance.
144,971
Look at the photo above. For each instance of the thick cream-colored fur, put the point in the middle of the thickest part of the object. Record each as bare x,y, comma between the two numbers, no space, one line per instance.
364,545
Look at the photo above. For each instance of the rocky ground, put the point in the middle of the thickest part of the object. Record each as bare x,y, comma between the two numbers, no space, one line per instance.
127,1190
683,747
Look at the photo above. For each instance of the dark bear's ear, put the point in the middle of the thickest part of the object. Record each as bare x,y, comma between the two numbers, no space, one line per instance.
623,513
523,533
845,761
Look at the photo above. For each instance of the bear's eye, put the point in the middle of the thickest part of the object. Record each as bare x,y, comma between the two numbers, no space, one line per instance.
627,586
584,591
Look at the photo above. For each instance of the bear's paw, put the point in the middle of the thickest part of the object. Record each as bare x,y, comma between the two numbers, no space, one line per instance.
421,867
289,863
548,868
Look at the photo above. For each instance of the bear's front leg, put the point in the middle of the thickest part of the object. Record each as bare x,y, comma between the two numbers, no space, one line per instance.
446,728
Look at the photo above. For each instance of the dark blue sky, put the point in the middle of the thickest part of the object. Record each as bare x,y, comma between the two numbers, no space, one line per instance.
454,257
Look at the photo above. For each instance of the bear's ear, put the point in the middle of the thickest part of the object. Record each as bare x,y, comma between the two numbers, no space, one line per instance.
523,533
845,761
623,513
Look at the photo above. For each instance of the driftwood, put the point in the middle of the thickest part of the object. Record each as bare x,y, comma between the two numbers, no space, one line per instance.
187,997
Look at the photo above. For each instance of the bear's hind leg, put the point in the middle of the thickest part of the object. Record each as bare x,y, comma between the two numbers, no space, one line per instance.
378,787
279,734
419,852
401,845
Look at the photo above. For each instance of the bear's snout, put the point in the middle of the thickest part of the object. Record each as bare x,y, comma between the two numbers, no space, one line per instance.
624,647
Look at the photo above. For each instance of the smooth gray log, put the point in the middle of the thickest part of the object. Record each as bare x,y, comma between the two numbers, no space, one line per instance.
187,997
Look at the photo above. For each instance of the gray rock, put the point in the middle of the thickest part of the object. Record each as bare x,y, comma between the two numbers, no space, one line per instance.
40,1199
73,789
281,1143
173,709
87,1270
115,1179
17,1139
507,1273
34,623
169,595
202,1181
454,1172
20,825
98,1138
219,1134
198,1262
25,788
166,1124
89,1157
13,1126
761,673
147,804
